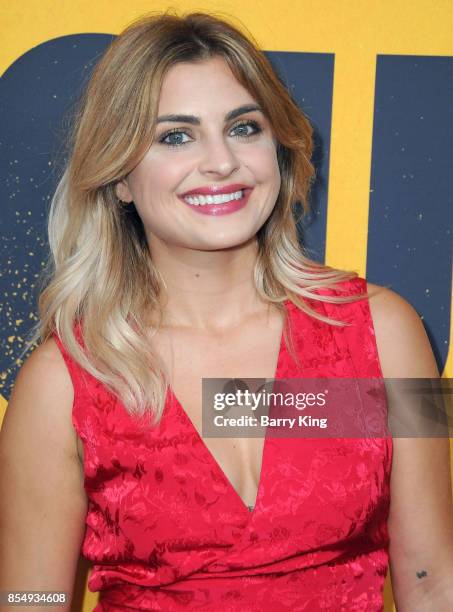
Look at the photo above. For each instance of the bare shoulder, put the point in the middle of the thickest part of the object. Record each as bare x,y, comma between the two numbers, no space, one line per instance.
41,400
388,307
46,359
43,503
403,345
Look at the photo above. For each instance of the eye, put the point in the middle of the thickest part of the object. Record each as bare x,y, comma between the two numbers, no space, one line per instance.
178,137
174,138
245,129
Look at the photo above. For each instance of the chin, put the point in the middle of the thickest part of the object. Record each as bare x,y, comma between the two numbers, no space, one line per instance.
224,243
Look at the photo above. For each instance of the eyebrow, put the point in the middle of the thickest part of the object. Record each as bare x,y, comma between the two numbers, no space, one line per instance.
241,110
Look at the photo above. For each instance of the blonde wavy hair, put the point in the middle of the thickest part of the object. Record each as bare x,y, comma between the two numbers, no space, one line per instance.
100,278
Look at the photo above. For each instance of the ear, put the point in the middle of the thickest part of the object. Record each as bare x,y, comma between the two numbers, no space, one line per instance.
122,191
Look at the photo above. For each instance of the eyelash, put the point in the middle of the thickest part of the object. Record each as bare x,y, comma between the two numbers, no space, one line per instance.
254,124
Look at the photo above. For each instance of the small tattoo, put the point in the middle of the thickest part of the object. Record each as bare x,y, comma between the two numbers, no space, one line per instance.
421,574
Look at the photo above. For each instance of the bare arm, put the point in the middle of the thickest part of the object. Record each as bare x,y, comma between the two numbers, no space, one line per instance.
421,510
42,499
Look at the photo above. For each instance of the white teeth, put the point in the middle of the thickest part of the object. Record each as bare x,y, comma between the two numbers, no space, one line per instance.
214,199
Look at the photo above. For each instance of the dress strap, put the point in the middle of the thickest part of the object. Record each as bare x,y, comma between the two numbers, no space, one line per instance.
358,338
82,384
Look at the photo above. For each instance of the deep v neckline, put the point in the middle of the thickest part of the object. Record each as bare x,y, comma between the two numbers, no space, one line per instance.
250,510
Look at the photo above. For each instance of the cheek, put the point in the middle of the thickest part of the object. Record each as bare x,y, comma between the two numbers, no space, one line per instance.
263,160
153,179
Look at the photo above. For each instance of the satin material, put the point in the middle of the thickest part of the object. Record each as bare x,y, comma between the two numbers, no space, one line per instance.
166,530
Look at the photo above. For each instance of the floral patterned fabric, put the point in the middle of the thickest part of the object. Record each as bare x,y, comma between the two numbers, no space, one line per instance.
166,530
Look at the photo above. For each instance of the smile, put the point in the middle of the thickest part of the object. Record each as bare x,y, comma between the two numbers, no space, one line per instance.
201,200
219,204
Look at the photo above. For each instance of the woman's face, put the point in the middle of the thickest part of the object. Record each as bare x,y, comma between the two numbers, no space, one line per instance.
214,146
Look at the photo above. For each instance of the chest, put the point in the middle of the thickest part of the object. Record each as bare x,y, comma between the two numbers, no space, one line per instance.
252,351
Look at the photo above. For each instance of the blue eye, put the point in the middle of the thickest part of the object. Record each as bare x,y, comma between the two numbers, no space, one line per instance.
174,138
178,137
245,129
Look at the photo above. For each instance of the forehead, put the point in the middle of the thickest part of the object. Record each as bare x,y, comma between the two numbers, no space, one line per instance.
208,85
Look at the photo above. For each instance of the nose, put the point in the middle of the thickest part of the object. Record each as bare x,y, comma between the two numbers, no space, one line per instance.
218,157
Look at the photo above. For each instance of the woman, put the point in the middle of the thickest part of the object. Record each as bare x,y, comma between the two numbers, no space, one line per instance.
176,259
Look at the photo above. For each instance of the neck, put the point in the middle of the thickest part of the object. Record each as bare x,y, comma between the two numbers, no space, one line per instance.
207,290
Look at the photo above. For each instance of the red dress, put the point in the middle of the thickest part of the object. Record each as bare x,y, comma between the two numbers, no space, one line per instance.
166,530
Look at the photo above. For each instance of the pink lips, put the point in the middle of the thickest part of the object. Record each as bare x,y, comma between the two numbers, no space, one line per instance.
219,209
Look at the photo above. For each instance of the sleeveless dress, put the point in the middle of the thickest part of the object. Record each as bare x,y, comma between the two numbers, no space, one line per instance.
166,530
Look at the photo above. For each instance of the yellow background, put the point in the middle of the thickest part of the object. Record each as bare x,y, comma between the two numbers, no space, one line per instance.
355,31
